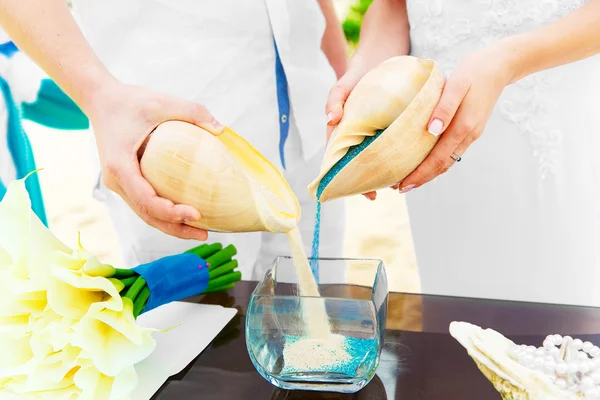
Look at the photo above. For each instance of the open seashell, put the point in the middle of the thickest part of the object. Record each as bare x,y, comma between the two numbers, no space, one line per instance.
397,97
233,186
491,352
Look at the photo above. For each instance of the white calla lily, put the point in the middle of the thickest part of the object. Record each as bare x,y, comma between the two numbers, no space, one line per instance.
25,239
65,331
112,339
15,352
72,294
96,386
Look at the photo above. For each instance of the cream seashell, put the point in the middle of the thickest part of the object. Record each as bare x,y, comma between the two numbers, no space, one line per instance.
397,96
233,186
490,351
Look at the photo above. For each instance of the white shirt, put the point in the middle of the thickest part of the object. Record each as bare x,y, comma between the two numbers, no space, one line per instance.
221,54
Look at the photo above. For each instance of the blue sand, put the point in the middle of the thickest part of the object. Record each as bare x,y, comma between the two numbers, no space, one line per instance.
361,351
314,263
337,167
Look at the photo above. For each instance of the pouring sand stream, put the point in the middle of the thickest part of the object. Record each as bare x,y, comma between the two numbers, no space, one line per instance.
313,310
315,315
320,348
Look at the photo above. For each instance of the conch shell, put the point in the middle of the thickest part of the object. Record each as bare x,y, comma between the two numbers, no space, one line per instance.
398,97
233,186
490,351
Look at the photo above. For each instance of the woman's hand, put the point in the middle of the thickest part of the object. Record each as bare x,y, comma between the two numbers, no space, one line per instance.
337,99
122,117
338,96
384,34
467,100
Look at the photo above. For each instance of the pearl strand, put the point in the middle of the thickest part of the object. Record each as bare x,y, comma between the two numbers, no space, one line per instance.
571,364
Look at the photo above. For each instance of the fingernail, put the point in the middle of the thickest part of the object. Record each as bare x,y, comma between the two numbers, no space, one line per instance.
329,117
435,127
216,124
407,189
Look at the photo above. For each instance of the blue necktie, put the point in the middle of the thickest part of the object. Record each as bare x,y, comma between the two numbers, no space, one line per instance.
283,102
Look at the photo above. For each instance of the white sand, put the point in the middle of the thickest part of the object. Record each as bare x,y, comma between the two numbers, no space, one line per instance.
313,311
307,354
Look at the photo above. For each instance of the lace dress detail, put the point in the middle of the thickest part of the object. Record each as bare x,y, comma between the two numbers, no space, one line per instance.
447,31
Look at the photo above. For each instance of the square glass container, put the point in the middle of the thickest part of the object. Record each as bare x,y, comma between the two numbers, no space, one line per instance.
327,343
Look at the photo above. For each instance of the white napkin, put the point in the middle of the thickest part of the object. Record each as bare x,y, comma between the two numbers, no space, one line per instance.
197,325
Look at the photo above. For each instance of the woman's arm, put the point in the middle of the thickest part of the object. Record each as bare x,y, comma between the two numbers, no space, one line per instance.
384,34
334,43
570,39
122,115
473,89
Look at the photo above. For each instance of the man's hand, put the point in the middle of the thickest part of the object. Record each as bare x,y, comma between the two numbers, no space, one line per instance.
122,117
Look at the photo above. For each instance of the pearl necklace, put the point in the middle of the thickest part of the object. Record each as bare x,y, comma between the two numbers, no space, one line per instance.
570,363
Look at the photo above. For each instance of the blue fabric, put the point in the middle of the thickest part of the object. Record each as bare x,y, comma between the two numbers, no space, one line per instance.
2,190
283,102
8,49
174,278
22,153
54,109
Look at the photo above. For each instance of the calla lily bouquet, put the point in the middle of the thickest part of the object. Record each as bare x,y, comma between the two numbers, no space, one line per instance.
68,322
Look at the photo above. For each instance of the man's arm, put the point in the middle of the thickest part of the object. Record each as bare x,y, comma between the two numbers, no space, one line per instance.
334,42
48,34
122,116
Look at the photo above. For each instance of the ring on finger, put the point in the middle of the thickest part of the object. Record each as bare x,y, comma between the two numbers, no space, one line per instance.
455,157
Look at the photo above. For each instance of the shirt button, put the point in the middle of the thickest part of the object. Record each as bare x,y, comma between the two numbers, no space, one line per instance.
284,118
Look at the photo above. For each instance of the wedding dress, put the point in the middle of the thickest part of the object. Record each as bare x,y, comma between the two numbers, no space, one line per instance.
519,217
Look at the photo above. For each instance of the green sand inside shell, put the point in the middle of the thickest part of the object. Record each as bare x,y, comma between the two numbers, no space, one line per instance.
352,152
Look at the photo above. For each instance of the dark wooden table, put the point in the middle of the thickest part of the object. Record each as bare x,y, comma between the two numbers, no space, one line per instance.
420,360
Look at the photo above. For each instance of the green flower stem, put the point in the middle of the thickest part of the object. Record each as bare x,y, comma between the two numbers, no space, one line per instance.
222,256
224,280
222,269
123,273
140,302
204,251
128,281
137,286
197,248
219,259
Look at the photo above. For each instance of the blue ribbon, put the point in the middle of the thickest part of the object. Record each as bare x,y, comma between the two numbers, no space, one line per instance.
22,152
8,49
54,109
174,278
